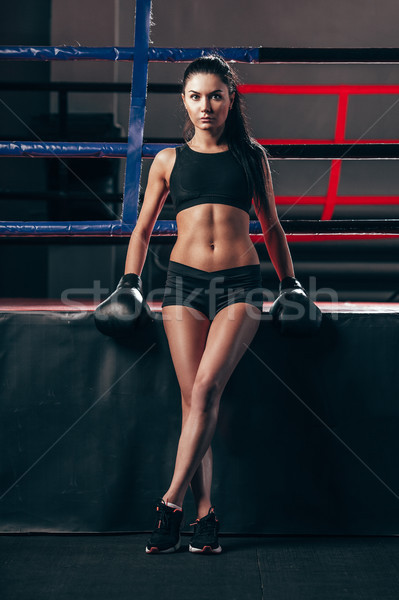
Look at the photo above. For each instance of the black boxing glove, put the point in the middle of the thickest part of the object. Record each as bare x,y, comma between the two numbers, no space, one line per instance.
124,310
293,312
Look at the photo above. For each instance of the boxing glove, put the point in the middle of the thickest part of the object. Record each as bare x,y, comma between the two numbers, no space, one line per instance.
124,310
293,312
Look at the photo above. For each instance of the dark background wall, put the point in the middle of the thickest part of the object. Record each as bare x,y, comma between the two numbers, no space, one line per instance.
23,23
357,271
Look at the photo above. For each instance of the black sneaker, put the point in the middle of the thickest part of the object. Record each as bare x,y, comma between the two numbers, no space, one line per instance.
205,537
166,535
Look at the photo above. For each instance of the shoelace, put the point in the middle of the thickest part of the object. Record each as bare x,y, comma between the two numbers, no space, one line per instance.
162,518
162,521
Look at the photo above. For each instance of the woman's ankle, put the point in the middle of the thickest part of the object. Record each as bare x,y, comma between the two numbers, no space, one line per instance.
203,508
172,500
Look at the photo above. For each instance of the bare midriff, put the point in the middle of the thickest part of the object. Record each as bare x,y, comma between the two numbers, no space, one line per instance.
213,237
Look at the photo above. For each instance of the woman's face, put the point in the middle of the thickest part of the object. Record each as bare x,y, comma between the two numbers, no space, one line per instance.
207,101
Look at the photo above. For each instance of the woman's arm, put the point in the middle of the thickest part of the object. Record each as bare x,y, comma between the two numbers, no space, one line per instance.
154,199
273,234
125,308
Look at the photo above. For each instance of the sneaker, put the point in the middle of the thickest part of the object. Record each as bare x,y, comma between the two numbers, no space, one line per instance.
166,535
205,537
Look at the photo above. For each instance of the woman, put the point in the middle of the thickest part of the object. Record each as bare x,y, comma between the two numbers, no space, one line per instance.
213,295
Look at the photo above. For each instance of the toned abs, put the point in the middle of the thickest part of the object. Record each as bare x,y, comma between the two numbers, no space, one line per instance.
213,237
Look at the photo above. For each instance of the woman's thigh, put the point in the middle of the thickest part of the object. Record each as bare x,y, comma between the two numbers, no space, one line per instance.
231,332
186,330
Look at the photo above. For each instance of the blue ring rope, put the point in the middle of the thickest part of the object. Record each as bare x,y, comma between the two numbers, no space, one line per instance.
123,54
65,149
90,228
250,54
76,149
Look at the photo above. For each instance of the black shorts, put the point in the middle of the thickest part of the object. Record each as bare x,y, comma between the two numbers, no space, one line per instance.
210,291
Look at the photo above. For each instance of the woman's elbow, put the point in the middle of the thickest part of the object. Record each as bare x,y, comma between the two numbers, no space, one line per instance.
273,230
142,232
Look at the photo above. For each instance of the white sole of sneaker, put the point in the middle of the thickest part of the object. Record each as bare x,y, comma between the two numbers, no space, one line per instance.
154,549
205,550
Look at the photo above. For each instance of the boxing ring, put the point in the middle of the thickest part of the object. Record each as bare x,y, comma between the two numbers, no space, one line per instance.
308,427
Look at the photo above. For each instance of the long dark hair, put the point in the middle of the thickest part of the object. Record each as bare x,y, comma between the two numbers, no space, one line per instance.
243,146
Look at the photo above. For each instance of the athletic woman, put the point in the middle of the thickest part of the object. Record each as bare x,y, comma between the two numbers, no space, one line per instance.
213,294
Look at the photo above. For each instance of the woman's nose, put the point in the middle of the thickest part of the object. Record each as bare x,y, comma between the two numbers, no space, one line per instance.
206,106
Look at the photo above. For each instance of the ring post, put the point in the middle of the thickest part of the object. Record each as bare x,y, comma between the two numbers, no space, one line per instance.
137,112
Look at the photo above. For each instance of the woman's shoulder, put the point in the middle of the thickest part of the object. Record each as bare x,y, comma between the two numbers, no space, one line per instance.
165,158
165,155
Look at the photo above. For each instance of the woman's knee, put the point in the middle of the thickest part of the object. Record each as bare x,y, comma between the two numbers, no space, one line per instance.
206,393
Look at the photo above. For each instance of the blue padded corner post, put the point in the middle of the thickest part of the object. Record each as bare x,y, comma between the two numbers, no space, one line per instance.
137,111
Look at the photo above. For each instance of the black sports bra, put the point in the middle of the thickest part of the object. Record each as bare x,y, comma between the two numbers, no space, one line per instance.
200,178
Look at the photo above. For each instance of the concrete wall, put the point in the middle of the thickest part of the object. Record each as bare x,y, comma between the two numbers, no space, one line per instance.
277,23
90,23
